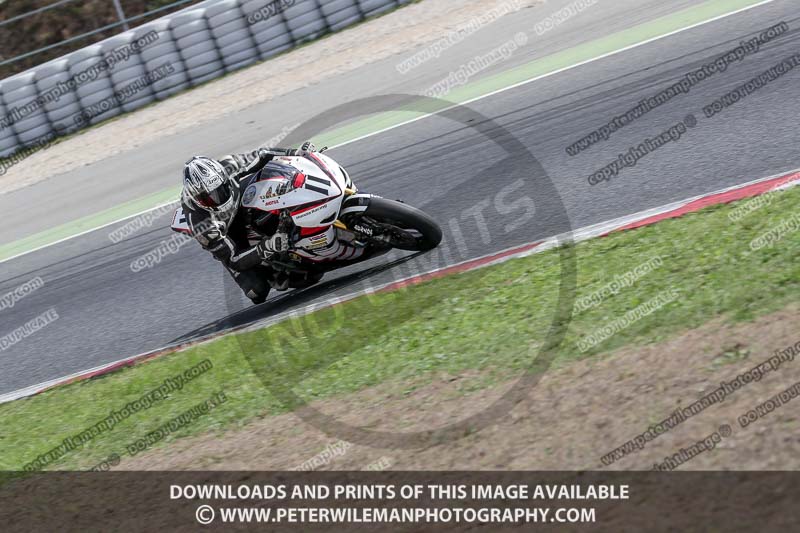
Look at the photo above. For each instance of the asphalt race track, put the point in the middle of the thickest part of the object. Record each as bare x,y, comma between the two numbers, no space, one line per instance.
456,171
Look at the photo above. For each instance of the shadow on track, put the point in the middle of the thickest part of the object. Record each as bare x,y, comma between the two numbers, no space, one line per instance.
293,299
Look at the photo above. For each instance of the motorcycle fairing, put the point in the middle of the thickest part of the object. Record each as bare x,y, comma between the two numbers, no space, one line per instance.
317,199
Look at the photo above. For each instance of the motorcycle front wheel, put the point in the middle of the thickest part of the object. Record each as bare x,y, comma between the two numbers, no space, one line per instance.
406,227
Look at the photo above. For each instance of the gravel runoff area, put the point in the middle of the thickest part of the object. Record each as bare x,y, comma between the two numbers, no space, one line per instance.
339,53
576,415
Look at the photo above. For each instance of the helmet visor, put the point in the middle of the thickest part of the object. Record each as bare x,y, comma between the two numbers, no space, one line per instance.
215,198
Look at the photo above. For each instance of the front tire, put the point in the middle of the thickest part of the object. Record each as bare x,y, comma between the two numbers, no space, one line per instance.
417,230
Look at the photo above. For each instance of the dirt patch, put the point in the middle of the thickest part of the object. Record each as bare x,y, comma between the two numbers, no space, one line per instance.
337,54
577,414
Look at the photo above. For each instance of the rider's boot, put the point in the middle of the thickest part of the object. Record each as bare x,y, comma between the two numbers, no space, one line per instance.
254,283
279,281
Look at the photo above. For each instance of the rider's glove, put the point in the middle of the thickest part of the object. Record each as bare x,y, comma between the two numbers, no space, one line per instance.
214,230
270,245
211,236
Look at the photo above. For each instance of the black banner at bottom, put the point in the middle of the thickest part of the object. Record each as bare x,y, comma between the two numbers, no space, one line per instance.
400,501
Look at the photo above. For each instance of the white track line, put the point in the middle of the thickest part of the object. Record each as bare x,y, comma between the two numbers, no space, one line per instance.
85,232
581,234
558,71
467,102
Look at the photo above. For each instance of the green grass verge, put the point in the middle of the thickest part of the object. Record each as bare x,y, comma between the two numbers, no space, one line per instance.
490,321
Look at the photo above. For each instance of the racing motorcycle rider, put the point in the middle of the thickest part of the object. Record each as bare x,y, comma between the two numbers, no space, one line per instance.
211,198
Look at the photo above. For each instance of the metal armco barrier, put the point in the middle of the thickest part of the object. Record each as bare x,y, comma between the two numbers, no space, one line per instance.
160,58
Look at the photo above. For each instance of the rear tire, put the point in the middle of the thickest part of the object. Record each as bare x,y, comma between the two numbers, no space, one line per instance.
406,217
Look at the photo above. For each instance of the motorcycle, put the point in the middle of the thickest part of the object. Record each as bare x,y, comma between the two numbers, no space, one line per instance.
311,191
